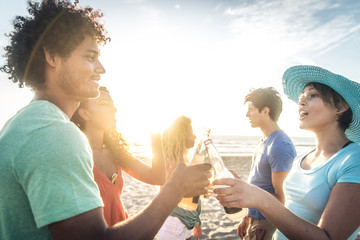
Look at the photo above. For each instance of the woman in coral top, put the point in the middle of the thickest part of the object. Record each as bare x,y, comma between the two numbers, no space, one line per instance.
96,118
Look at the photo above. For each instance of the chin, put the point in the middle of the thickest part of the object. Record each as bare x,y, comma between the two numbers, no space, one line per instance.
89,95
94,93
303,127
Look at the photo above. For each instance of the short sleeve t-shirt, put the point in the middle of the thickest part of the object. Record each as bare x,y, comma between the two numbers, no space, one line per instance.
276,153
307,191
45,171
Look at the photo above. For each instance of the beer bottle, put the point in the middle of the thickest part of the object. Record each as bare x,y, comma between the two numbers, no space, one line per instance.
199,157
220,171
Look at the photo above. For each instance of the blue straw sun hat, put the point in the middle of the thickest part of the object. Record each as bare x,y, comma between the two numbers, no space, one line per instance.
295,79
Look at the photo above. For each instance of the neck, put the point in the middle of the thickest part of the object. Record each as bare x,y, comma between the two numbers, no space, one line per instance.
95,137
58,98
330,141
269,127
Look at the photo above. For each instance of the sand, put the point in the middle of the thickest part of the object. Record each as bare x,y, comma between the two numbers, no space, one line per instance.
215,223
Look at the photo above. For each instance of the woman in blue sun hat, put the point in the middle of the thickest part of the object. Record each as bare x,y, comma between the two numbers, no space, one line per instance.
323,188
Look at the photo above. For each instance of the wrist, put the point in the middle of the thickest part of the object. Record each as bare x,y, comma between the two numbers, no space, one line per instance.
176,187
266,202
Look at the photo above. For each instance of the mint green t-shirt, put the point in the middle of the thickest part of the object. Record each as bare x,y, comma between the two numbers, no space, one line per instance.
45,172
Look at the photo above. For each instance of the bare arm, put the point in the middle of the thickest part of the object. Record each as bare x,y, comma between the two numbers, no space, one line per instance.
153,175
339,220
277,179
186,181
144,225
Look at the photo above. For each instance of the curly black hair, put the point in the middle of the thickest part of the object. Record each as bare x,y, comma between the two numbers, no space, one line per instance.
56,25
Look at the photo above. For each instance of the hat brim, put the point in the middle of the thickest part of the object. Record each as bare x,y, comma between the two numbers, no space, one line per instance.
296,78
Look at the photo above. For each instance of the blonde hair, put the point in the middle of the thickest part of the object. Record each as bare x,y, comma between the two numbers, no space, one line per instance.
173,142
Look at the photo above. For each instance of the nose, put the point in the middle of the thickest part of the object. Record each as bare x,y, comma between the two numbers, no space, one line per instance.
100,68
301,102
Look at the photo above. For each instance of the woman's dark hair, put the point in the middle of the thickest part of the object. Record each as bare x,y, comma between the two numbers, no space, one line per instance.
59,27
333,98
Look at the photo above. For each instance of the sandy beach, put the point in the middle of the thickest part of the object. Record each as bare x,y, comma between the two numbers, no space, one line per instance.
215,223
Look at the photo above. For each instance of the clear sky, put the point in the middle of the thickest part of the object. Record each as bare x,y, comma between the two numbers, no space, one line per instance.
200,58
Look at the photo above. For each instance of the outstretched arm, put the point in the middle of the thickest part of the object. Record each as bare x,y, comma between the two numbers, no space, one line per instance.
339,220
185,181
153,175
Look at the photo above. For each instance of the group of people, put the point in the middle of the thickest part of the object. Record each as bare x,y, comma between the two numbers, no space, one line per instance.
61,157
322,187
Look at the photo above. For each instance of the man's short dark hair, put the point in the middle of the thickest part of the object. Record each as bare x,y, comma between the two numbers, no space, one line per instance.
266,97
56,25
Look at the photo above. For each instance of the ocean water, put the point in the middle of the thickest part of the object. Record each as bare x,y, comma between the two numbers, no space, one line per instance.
235,146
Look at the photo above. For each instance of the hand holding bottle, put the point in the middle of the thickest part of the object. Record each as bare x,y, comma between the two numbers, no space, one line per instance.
191,180
198,158
220,171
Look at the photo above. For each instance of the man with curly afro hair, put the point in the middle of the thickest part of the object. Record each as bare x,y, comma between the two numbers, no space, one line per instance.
47,188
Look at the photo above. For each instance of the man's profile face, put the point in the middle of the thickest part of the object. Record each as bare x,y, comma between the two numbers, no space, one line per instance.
78,74
254,115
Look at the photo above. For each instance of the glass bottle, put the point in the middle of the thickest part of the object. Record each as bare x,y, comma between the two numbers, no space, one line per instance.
220,171
199,157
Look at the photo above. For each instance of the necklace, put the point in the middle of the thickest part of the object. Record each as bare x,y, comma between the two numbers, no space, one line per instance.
99,150
113,178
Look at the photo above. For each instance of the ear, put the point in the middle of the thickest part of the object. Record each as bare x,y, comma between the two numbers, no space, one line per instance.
84,114
49,57
343,108
266,111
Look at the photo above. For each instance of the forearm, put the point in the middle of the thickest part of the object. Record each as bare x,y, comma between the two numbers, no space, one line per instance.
158,173
185,181
147,222
288,223
154,174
